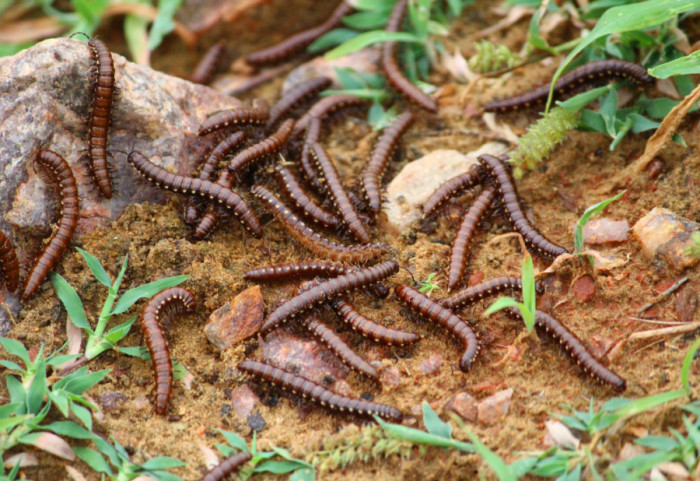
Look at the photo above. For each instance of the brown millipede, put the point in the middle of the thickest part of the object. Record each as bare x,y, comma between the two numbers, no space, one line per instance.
452,187
470,295
226,467
509,197
298,42
206,67
296,95
311,390
328,289
310,209
383,150
311,240
325,107
391,66
575,348
313,135
100,115
255,115
433,311
297,270
189,185
59,240
467,229
175,300
369,328
9,265
593,74
338,193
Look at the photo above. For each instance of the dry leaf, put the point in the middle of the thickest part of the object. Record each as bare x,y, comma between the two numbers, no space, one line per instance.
55,445
513,16
74,474
210,457
24,459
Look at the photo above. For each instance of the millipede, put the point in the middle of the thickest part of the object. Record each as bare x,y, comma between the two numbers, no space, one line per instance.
206,67
316,393
391,66
307,206
383,150
227,467
467,229
9,265
313,135
311,240
438,314
70,211
255,115
576,349
349,357
469,295
188,185
509,198
294,271
298,42
328,289
453,187
368,328
338,193
592,74
296,95
325,107
175,300
100,116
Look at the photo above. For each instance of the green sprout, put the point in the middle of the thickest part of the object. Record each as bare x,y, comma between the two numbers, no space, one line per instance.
595,209
428,286
528,307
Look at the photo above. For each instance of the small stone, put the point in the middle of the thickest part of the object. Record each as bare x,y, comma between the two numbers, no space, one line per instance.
111,401
630,451
342,387
605,231
584,288
664,236
236,320
495,407
390,376
465,405
244,400
558,434
687,302
256,422
141,403
431,365
365,60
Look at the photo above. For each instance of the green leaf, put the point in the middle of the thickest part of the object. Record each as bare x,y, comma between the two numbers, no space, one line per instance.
501,303
11,365
96,267
687,362
120,276
578,102
136,351
8,423
58,360
303,474
235,440
335,37
37,389
82,413
496,463
376,95
130,297
370,38
16,348
421,437
6,410
374,5
165,476
591,211
69,428
163,23
162,462
657,443
434,424
367,20
688,65
117,333
17,392
529,300
71,301
93,459
80,384
58,397
279,467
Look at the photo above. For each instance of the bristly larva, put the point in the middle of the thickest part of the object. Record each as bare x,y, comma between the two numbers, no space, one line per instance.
299,93
227,467
434,312
368,328
100,115
308,207
298,42
467,229
206,67
310,390
255,115
453,187
469,295
9,265
62,236
391,66
575,348
592,74
174,300
311,240
383,150
509,198
338,193
191,186
327,290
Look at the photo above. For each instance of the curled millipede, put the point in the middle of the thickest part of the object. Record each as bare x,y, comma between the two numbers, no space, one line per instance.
256,115
433,311
311,210
391,66
9,265
452,187
227,467
206,67
175,300
593,74
311,390
467,229
311,240
327,290
296,95
369,328
509,197
189,185
325,107
574,346
298,42
313,135
326,335
470,295
62,236
338,193
100,115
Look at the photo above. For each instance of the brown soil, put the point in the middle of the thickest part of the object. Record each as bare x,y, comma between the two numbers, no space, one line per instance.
579,173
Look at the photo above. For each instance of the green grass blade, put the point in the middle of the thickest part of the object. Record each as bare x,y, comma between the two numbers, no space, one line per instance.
590,212
71,301
163,23
687,362
496,463
130,297
370,38
434,424
500,303
688,65
96,267
16,348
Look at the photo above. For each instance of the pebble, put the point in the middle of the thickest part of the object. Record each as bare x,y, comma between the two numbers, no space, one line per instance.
687,302
390,376
493,408
465,405
584,288
605,231
664,236
558,434
236,320
111,401
256,422
431,365
244,400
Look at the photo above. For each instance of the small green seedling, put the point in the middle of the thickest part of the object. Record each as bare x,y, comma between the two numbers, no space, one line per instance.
693,249
590,212
529,305
428,286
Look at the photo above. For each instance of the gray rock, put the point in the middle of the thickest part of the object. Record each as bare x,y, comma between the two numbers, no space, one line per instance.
605,231
236,320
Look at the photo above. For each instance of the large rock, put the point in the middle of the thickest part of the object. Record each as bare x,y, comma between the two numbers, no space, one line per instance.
665,236
236,320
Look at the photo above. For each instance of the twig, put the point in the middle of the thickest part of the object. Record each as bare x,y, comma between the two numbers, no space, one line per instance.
656,321
664,331
663,295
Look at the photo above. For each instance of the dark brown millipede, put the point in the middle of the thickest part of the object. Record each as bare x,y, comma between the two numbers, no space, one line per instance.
206,67
470,295
296,95
9,265
454,186
227,467
256,115
368,328
308,207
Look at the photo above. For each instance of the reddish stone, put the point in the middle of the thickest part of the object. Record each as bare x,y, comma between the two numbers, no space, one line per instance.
476,278
604,231
465,405
390,377
687,302
236,320
584,288
244,400
496,407
342,387
431,365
